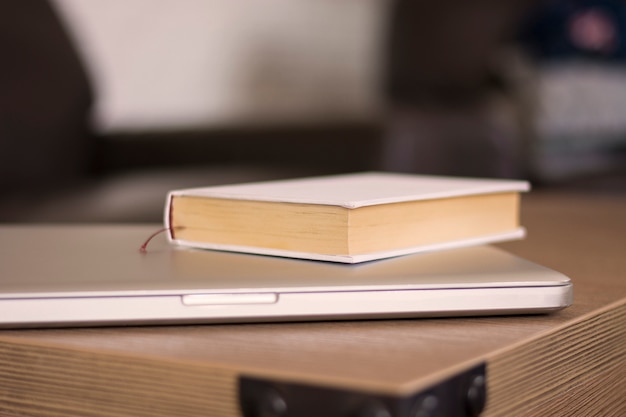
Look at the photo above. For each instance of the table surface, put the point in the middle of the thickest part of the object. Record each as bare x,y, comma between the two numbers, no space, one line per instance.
583,236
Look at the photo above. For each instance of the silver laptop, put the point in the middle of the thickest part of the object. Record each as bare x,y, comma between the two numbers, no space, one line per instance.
96,275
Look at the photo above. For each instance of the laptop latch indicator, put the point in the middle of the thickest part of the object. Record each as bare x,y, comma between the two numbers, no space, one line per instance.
229,299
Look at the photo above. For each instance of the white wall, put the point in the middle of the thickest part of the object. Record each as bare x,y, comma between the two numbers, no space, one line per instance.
167,64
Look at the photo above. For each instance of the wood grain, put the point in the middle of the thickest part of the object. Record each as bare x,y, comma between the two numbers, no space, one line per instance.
568,363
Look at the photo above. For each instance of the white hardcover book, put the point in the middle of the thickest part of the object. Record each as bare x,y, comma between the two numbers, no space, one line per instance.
252,209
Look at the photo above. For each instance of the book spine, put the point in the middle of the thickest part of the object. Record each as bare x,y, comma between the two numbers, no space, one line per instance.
167,217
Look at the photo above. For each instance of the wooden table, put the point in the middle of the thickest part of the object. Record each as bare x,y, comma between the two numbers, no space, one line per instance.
572,363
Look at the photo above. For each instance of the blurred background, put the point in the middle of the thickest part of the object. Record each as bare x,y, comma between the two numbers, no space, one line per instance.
105,105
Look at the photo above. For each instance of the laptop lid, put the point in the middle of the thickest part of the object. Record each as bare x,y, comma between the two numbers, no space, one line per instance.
95,275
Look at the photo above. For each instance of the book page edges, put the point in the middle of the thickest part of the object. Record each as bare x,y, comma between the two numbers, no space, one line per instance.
515,234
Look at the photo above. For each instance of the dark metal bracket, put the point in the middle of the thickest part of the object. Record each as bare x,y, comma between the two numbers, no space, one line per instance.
464,395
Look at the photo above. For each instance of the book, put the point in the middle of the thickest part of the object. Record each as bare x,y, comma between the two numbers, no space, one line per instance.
347,218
